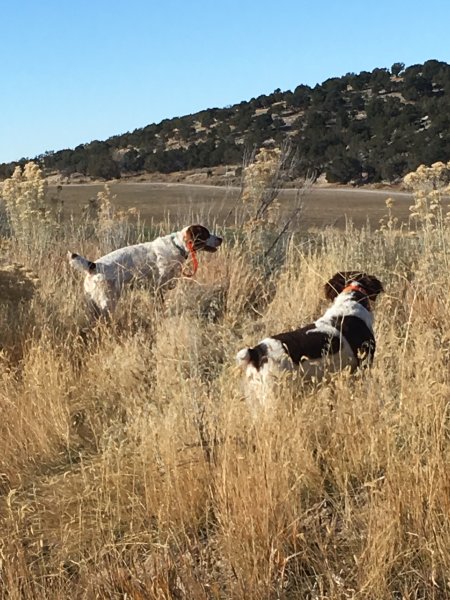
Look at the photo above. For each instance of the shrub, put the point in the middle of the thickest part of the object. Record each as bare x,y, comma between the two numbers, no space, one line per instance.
30,214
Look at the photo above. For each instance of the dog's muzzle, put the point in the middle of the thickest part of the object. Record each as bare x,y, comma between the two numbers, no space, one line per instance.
212,243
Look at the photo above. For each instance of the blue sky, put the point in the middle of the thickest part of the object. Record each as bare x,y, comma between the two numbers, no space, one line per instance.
77,71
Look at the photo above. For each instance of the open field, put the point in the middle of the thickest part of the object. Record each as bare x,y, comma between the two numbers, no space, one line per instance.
131,466
322,206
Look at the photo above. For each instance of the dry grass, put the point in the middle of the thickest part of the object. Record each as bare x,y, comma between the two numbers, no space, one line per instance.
131,467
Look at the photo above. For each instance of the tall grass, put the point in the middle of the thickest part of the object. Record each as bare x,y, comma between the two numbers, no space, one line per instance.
131,466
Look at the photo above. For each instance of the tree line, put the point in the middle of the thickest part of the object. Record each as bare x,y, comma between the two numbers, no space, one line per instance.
366,127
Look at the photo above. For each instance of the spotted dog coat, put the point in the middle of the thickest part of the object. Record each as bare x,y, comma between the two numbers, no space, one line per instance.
342,337
158,261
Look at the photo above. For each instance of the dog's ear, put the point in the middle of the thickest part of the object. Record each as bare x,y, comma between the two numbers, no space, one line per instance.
337,283
372,285
198,234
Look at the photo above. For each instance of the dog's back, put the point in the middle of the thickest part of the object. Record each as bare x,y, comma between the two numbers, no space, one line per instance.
309,351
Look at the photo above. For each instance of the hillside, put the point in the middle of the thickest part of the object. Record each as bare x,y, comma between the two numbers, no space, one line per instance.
364,128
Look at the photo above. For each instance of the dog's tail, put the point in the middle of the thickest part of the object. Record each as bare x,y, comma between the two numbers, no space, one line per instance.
80,263
243,357
256,356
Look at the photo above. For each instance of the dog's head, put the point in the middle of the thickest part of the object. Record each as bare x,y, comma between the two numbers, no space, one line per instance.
371,286
201,238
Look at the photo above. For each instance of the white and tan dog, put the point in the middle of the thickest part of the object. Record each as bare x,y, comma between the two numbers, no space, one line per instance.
158,261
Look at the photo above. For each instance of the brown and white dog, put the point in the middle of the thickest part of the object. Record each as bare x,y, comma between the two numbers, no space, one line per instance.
158,261
342,337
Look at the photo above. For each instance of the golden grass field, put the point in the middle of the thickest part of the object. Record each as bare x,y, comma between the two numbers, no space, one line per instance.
132,468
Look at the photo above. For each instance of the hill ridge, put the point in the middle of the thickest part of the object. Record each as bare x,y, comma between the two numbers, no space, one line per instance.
362,128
